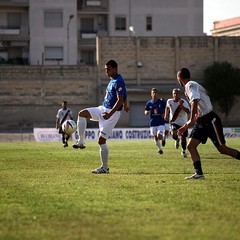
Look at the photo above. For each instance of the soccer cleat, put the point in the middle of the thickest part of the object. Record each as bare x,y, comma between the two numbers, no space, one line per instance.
195,176
78,145
160,151
177,143
164,142
184,154
65,145
100,170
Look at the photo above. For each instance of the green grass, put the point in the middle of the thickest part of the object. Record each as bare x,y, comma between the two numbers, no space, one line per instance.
48,192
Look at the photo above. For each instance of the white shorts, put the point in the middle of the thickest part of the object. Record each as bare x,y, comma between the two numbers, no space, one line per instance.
157,130
105,126
166,126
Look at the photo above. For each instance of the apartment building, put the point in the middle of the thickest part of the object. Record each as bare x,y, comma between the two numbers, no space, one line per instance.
156,18
14,32
59,32
227,27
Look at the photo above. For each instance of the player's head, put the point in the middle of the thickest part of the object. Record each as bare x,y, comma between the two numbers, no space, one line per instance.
64,104
154,93
183,76
111,68
176,93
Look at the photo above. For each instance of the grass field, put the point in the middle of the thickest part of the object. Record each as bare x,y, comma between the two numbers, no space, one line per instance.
48,192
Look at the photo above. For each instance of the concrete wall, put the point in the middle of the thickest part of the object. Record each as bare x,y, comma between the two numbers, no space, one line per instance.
161,57
31,95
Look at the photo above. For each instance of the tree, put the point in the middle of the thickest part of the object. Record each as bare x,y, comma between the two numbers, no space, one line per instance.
222,81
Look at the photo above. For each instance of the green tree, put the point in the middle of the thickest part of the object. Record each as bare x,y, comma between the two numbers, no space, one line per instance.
222,81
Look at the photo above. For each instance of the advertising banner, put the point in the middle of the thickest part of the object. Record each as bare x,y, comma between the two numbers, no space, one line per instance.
52,135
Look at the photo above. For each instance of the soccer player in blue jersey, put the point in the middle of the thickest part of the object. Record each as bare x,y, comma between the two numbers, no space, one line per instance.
107,114
155,108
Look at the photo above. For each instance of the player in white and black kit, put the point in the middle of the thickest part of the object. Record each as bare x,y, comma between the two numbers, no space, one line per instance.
177,111
107,115
63,114
207,123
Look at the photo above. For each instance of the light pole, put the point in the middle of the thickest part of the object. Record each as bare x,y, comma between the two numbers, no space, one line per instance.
137,46
70,18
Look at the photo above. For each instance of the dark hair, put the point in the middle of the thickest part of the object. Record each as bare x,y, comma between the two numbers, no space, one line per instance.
177,90
184,73
112,63
154,89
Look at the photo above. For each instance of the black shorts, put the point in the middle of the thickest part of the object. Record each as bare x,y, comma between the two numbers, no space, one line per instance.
209,126
175,126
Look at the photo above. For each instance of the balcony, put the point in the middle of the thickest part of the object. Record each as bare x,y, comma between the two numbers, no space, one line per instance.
91,34
88,34
93,6
93,3
14,33
7,31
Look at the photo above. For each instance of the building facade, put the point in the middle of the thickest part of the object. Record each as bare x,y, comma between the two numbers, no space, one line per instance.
155,18
59,32
228,27
14,32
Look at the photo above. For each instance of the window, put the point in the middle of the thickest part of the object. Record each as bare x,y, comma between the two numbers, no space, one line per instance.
14,20
120,23
54,53
87,24
88,57
53,18
149,23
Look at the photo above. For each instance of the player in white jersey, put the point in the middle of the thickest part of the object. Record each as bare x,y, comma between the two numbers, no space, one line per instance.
63,114
176,111
207,124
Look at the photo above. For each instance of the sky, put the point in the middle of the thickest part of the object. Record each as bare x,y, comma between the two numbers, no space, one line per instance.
215,10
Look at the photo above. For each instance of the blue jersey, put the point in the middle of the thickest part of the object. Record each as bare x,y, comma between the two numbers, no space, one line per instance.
115,87
157,110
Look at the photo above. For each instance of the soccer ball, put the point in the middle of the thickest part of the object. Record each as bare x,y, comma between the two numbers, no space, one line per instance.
69,127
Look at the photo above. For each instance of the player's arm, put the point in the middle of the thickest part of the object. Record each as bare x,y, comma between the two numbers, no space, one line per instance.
147,110
166,114
192,119
57,123
194,112
70,114
125,105
117,105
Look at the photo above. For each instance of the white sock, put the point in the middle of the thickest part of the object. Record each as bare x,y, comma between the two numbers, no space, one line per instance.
158,144
104,155
81,127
